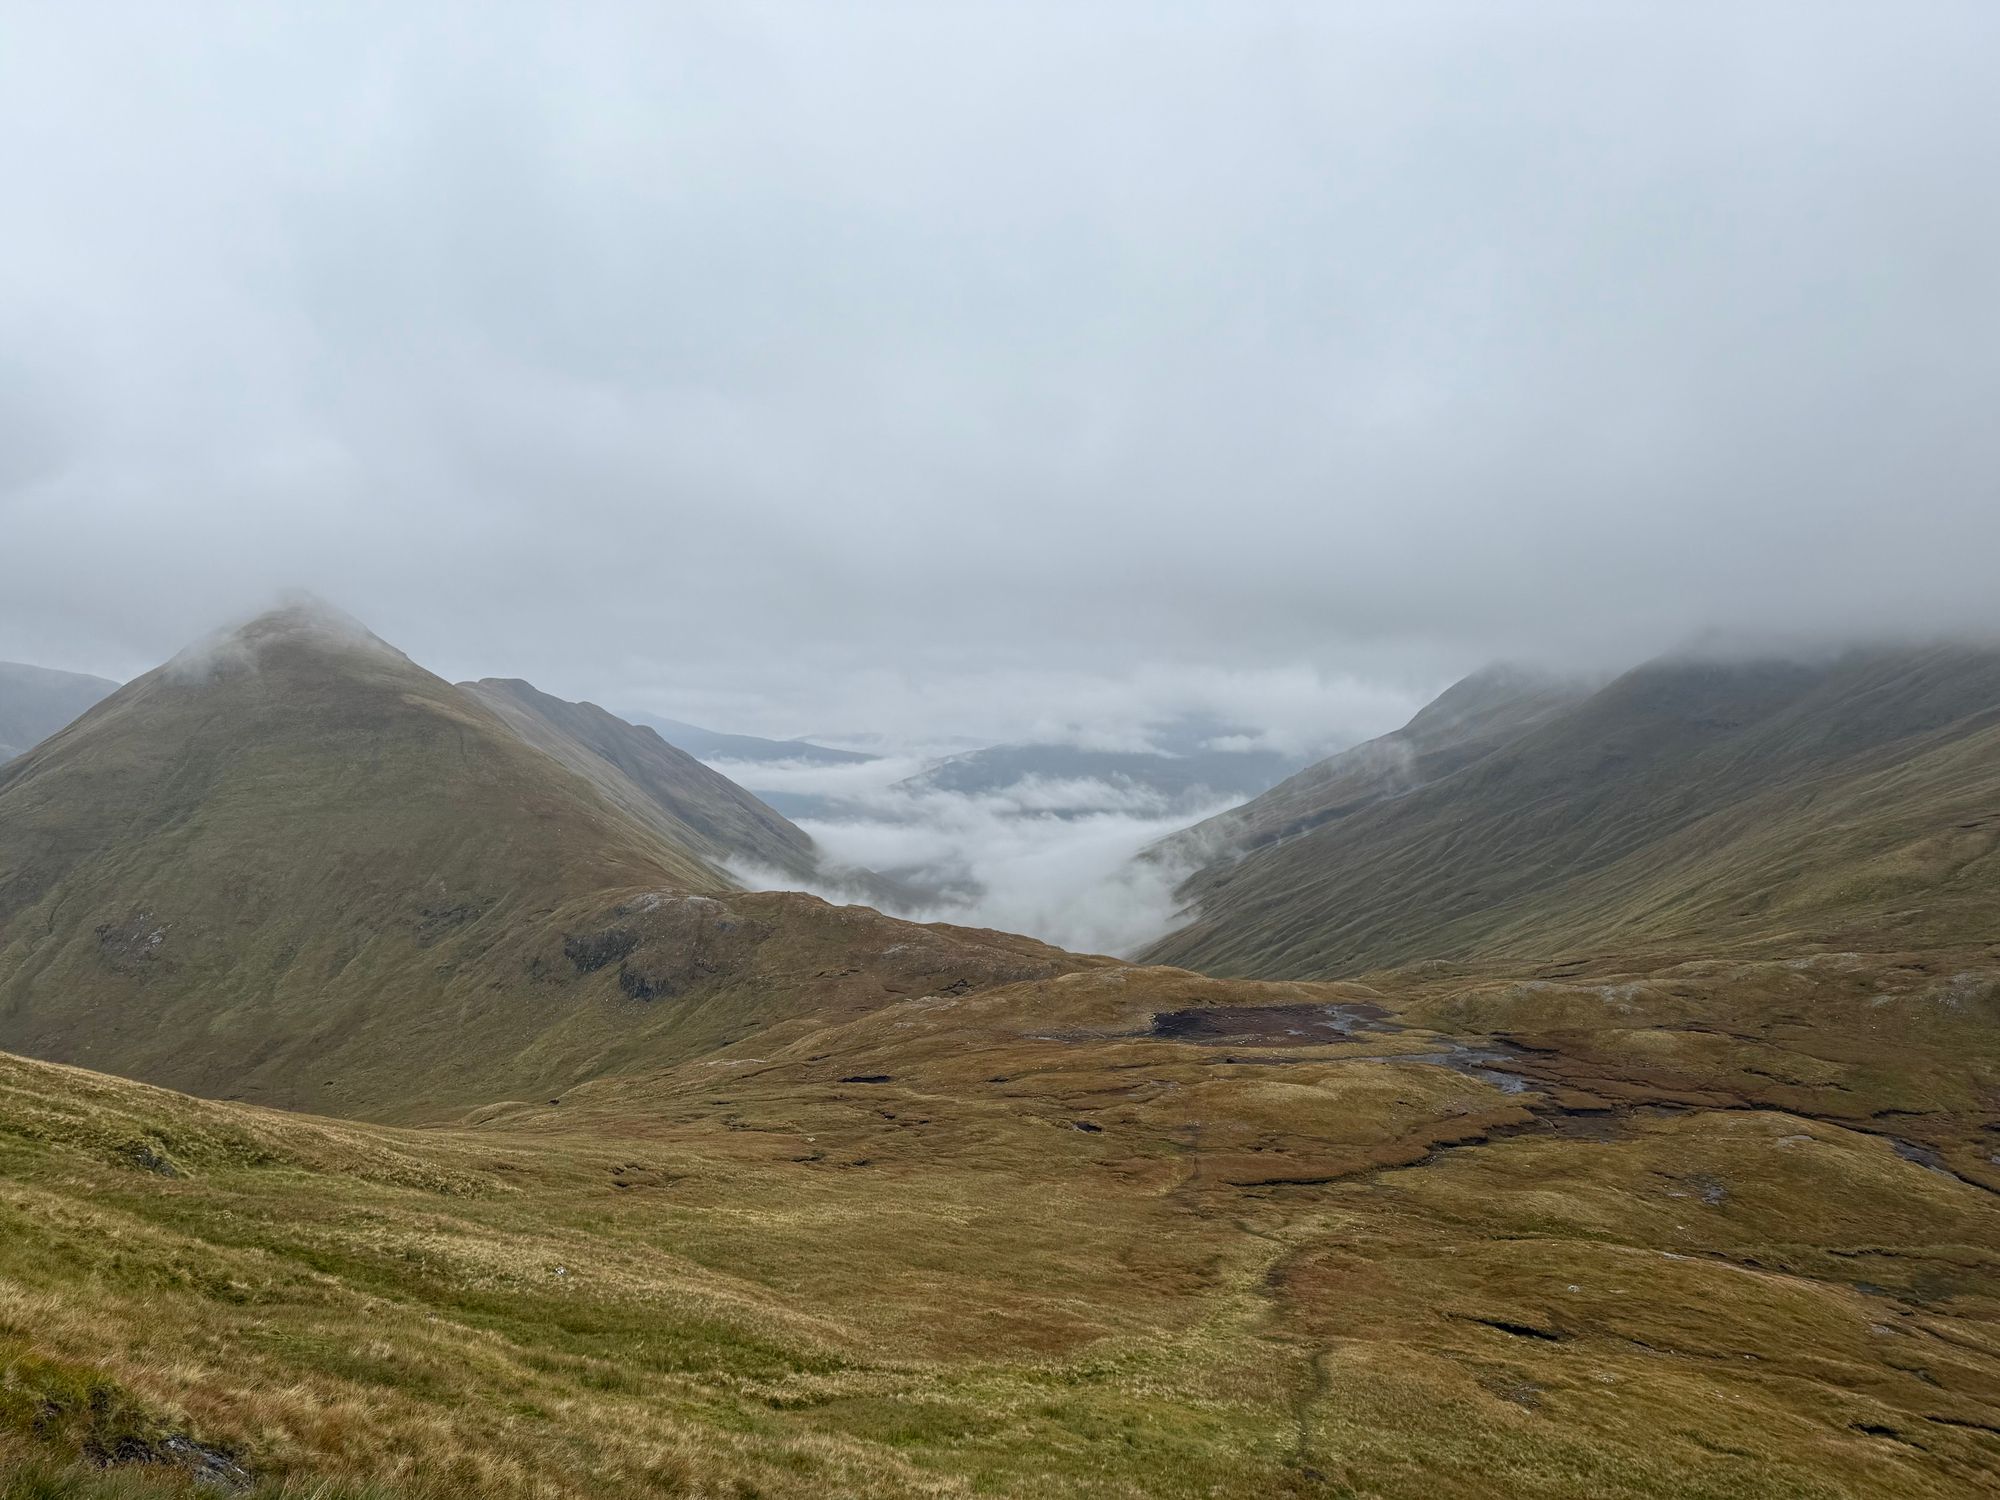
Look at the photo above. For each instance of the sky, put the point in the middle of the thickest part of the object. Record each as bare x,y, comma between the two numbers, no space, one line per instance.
982,371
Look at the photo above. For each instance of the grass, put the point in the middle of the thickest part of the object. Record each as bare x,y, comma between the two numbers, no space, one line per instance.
721,1195
745,1196
29,1477
329,881
1758,807
1256,1277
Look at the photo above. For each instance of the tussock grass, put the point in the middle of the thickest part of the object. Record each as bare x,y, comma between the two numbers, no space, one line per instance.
1318,1269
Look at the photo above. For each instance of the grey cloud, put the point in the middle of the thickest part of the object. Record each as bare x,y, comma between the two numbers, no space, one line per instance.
1049,856
1006,861
996,370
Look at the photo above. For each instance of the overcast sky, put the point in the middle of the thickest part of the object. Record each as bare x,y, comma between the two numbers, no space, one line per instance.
977,369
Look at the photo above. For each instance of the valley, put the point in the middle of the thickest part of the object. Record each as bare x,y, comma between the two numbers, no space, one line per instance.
996,751
596,1175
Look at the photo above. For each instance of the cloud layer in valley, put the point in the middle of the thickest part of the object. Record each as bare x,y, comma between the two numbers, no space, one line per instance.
1054,859
986,369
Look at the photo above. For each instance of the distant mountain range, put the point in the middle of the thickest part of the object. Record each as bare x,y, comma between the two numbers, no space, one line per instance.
712,744
1751,801
1189,766
35,702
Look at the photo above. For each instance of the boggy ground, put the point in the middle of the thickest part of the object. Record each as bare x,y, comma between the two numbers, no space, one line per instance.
1724,1230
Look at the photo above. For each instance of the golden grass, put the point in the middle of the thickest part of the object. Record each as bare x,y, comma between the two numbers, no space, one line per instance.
1259,1274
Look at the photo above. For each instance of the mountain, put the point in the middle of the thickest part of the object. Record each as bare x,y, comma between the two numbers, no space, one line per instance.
294,867
36,701
716,1193
652,780
662,785
1762,802
1191,764
711,744
1469,720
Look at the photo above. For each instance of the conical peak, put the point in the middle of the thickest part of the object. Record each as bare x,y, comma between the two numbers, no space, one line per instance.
299,619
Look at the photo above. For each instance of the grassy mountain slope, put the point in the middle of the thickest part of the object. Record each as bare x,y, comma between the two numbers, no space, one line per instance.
668,789
1469,720
296,868
1693,803
1113,1233
37,701
643,775
726,1194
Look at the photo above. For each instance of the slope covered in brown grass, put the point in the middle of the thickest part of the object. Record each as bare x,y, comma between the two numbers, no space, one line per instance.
1118,1232
1689,806
292,866
725,1194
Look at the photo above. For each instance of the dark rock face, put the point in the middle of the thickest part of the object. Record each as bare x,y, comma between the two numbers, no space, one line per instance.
593,951
149,1153
135,941
637,986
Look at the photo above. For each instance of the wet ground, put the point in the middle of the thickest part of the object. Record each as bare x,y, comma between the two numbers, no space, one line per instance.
1272,1025
1262,1035
1247,1029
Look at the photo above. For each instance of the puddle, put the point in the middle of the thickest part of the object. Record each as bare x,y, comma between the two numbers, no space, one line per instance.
1474,1063
1280,1026
1590,1124
1272,1025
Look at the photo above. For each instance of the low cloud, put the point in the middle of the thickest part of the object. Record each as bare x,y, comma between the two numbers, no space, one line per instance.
1293,709
858,781
230,650
1053,858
